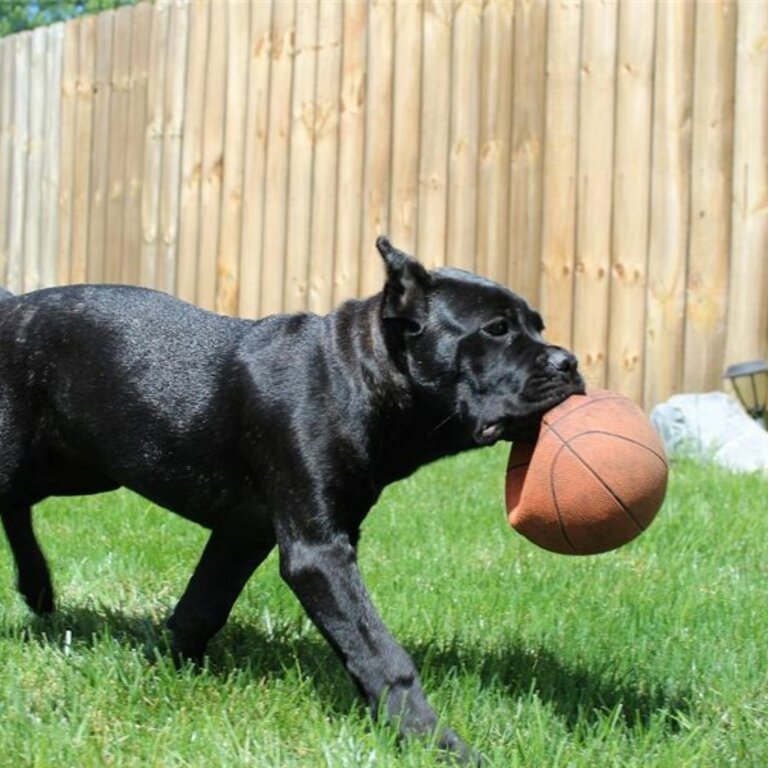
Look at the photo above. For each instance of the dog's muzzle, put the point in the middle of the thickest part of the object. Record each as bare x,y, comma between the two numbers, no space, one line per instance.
555,378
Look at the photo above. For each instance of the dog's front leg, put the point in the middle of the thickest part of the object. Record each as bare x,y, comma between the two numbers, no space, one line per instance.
325,577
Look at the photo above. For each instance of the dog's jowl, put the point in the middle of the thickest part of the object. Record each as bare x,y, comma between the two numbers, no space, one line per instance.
279,432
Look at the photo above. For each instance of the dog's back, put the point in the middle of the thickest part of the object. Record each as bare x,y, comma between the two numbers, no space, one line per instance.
96,373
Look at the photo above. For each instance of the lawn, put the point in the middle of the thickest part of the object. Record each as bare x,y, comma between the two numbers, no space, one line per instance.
654,655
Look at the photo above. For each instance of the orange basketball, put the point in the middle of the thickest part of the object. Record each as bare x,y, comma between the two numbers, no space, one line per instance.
594,479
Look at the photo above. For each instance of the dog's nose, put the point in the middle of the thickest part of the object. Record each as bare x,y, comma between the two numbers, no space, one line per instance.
563,361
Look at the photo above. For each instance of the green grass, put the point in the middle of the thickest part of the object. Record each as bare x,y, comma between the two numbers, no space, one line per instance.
654,655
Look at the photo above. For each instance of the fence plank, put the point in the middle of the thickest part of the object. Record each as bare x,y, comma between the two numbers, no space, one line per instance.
141,33
118,137
213,153
351,151
631,189
81,192
67,150
192,152
97,230
33,215
747,336
173,126
711,182
301,151
593,227
670,195
34,151
378,143
251,254
278,131
495,129
228,260
526,171
18,151
153,146
325,178
406,98
51,155
432,227
465,130
560,157
7,46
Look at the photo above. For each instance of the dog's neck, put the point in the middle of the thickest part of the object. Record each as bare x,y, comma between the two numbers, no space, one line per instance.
406,429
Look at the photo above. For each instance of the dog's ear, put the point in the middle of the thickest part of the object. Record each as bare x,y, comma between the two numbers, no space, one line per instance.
405,292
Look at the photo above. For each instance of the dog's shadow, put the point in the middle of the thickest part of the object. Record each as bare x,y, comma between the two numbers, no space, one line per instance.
577,694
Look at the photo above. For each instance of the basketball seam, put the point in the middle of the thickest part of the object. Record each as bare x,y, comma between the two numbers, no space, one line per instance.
650,450
557,506
560,517
566,444
579,407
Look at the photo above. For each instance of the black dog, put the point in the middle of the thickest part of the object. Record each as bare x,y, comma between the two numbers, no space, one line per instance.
278,432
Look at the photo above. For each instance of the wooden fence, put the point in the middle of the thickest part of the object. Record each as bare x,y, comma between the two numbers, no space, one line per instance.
606,159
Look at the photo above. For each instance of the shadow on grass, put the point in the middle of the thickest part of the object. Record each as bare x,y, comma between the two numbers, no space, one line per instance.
239,652
578,695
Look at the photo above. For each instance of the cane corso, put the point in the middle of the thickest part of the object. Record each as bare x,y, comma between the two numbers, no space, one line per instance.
278,432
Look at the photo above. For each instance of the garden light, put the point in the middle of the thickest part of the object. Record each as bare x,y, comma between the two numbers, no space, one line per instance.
750,381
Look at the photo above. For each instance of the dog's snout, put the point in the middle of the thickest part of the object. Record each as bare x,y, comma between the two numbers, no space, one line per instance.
563,361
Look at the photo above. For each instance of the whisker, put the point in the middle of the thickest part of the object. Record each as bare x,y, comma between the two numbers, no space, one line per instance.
442,423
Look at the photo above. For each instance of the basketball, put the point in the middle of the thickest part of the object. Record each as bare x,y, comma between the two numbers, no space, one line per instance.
594,479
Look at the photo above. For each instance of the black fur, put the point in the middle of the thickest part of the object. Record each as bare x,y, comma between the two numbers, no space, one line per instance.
279,432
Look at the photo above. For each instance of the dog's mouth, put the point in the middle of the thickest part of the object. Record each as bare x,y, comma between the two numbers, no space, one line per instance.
509,430
525,422
549,400
488,434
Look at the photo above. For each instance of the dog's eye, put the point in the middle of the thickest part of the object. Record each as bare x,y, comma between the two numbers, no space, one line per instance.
498,327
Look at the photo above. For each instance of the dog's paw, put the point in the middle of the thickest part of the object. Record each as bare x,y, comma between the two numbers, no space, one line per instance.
38,597
185,651
184,657
456,752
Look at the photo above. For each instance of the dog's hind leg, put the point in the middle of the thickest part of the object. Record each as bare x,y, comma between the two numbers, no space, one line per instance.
226,564
33,577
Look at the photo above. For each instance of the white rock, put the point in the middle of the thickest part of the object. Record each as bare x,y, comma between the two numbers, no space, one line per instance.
712,426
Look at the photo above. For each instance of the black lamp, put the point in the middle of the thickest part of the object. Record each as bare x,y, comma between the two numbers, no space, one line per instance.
750,380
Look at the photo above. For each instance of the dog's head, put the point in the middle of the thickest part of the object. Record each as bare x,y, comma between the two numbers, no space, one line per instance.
474,348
